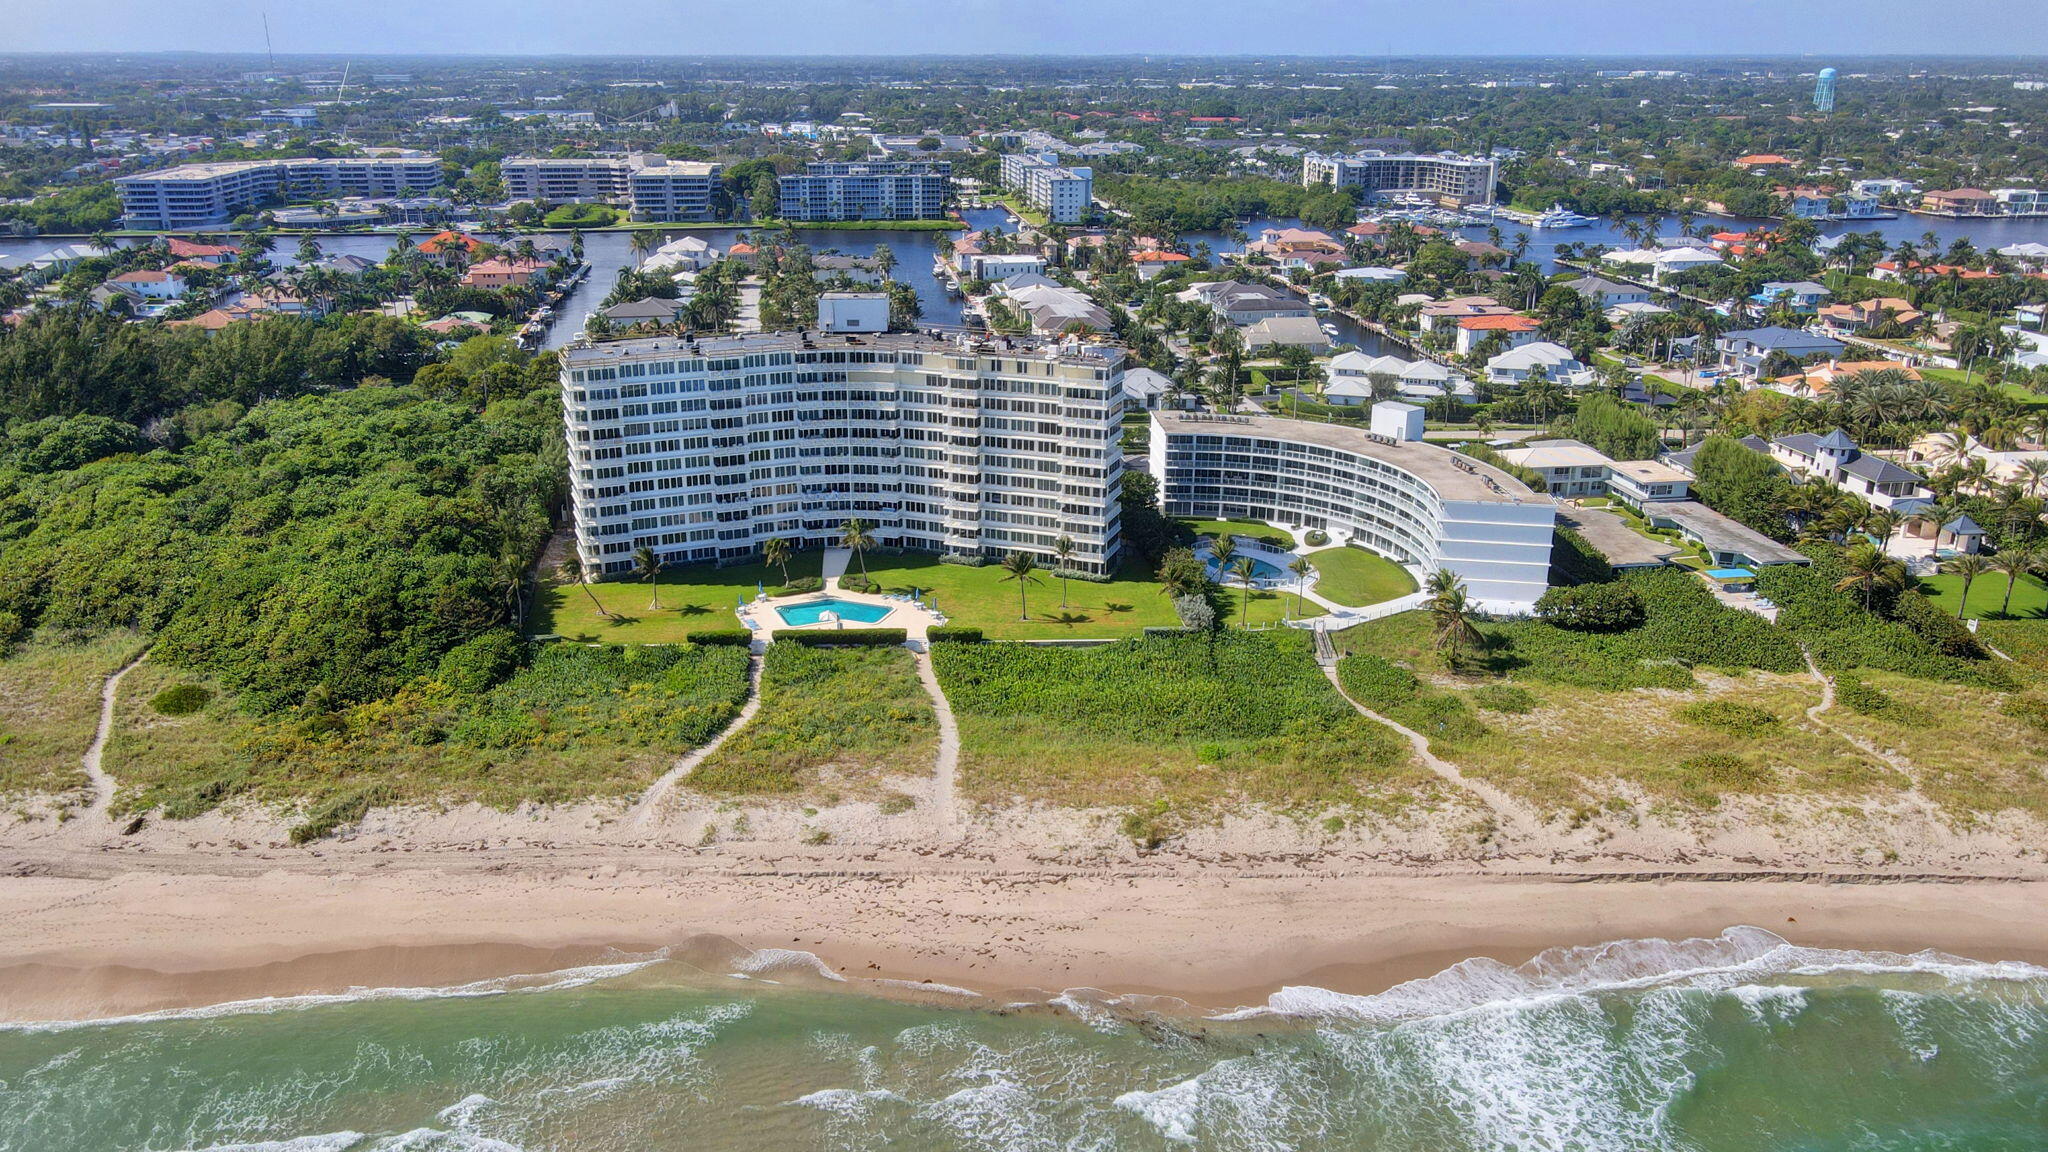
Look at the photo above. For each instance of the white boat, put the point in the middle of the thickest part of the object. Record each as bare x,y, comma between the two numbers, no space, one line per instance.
1561,217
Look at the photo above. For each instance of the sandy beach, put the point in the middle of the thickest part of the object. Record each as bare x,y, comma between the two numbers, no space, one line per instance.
100,924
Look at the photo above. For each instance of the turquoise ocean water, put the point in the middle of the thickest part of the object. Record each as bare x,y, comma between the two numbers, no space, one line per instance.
1740,1042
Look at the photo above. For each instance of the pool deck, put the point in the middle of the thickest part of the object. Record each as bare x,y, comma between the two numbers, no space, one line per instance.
764,622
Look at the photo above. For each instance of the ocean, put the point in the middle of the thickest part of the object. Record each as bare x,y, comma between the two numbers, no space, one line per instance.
1739,1042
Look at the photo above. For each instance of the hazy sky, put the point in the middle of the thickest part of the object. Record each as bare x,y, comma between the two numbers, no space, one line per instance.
768,27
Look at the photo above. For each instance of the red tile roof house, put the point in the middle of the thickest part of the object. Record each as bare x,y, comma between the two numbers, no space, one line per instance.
1763,160
1447,313
1150,264
499,272
451,325
1515,330
155,285
450,248
1961,202
209,254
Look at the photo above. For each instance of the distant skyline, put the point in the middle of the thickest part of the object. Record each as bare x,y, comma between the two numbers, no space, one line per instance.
1062,27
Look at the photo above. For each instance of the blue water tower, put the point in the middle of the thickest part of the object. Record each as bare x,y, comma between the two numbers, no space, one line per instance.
1824,91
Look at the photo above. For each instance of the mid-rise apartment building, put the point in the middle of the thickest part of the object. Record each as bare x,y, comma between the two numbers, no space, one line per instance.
1064,194
652,185
1450,180
1420,505
867,190
704,450
210,195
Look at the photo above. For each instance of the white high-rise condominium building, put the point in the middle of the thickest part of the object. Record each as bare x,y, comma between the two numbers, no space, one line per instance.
704,450
210,195
1064,194
1418,504
867,190
1447,179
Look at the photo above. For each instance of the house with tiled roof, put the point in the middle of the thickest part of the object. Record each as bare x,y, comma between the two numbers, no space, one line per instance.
1760,160
1849,319
151,284
1961,202
1818,381
503,272
450,248
1513,329
209,254
1150,263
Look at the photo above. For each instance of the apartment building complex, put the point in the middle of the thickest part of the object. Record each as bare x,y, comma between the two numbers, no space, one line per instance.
867,190
210,195
652,185
1453,181
1421,505
705,450
1064,194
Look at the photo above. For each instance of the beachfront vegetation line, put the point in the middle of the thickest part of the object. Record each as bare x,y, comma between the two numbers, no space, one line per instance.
843,718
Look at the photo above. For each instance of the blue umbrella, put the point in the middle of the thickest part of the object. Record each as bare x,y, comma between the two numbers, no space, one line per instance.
739,599
758,590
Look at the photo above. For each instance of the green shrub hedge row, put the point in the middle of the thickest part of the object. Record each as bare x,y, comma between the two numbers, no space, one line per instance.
953,634
845,637
720,639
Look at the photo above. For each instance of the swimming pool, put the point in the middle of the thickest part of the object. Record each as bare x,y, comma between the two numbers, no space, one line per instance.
851,611
1260,569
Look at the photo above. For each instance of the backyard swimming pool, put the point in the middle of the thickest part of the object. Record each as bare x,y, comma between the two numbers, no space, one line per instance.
812,611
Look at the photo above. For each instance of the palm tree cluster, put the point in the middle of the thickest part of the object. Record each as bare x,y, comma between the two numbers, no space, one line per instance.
1450,614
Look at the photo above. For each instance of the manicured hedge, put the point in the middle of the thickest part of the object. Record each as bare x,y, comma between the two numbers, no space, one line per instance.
953,634
848,637
718,639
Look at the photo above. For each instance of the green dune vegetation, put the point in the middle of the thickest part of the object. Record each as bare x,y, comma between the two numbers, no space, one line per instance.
832,720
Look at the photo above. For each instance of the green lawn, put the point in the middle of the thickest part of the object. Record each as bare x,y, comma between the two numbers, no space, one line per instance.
1987,592
1356,578
1279,536
700,598
697,598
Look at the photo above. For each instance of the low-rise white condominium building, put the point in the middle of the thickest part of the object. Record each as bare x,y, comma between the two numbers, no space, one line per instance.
1418,504
1447,179
213,194
704,450
652,185
1064,194
867,190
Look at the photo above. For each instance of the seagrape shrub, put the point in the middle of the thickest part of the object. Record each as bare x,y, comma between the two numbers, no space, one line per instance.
1683,627
1592,607
1395,692
1375,682
1854,694
181,700
1843,635
668,696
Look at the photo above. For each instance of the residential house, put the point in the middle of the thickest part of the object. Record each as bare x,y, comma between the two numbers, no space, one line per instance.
213,254
1763,161
1849,319
1514,330
1570,469
1681,458
1149,263
1351,375
1278,243
1620,315
1817,381
450,249
685,254
1447,314
1802,296
151,285
1836,459
1276,332
1051,307
1242,303
1961,202
1746,350
1604,294
59,260
505,272
1372,275
985,266
1518,366
1481,253
1147,390
1729,543
656,310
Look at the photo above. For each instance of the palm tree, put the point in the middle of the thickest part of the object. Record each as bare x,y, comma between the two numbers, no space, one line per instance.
854,536
1450,610
1021,568
777,552
884,260
643,242
1064,549
2034,475
1301,568
648,565
1969,567
1868,568
1223,549
571,571
2013,563
1245,569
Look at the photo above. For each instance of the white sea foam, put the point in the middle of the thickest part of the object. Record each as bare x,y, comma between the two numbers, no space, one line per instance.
1172,1110
1738,956
325,1142
1092,1006
768,961
496,986
845,1102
